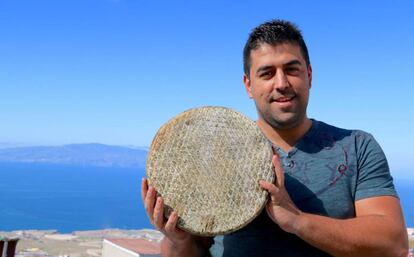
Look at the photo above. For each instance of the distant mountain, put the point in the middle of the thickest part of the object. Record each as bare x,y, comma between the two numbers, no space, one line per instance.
6,144
78,154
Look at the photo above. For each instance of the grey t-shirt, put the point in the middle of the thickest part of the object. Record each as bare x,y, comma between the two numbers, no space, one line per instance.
325,173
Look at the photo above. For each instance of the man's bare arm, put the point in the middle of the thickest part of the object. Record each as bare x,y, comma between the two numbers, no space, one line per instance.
377,230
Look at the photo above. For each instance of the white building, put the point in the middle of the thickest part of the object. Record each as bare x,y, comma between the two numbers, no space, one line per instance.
130,247
410,232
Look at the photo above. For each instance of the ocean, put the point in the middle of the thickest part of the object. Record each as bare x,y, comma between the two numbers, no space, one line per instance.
405,189
68,198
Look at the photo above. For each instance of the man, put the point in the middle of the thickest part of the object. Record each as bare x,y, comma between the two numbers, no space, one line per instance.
333,195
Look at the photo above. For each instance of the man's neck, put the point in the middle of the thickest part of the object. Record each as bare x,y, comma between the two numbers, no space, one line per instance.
285,138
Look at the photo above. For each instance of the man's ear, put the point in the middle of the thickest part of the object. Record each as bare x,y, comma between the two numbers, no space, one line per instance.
247,85
310,75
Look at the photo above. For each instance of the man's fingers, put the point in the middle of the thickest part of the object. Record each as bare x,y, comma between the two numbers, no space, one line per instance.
275,197
271,188
149,202
159,213
171,224
144,189
277,166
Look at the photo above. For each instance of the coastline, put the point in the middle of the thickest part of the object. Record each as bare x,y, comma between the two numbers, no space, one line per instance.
51,243
87,243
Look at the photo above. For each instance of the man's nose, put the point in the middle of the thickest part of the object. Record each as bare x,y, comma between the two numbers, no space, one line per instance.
281,81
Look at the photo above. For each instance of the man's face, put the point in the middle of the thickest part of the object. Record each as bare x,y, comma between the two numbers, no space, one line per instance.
279,83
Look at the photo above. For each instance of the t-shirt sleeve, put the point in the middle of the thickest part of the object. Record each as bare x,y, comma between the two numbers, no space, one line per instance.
374,178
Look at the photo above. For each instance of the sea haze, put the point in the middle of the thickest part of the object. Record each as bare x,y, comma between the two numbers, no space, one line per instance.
68,198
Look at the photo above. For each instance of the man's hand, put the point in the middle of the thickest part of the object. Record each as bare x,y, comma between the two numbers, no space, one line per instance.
280,208
154,206
176,241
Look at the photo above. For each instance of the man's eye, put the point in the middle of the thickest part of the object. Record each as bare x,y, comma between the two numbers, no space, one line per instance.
266,74
292,70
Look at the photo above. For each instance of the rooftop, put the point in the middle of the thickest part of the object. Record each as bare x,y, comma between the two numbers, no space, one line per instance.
137,245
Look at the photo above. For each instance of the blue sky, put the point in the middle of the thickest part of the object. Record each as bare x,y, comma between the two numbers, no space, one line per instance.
113,71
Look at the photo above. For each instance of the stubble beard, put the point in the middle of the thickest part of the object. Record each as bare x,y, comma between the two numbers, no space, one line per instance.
296,118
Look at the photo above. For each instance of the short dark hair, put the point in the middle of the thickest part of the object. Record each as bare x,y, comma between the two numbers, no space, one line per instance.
273,32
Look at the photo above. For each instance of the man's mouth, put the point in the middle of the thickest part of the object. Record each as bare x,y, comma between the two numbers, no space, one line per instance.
284,99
